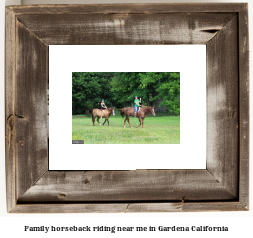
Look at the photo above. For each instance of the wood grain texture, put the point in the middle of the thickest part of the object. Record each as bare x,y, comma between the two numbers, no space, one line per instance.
9,109
30,108
223,107
129,207
244,107
139,185
154,8
118,29
186,207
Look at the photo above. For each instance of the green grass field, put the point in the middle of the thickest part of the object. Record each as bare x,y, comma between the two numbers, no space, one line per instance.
161,129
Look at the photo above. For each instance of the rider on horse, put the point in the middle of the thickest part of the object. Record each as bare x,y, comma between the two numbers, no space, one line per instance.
103,107
136,105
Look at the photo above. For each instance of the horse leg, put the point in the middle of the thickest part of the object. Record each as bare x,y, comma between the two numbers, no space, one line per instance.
140,122
125,122
104,122
108,121
98,121
129,122
93,120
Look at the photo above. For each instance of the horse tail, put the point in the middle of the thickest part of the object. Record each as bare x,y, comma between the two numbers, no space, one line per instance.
122,112
92,115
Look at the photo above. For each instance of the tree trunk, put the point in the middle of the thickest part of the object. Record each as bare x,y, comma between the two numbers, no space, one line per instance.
83,107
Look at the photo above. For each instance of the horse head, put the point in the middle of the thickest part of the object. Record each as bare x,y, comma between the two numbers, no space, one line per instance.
152,111
112,111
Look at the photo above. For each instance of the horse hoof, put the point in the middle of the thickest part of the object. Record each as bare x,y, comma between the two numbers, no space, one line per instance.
124,127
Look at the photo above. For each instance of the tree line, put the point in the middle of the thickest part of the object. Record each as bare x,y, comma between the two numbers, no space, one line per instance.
118,89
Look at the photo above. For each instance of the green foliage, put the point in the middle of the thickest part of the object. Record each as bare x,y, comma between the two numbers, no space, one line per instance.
119,89
170,92
124,87
88,89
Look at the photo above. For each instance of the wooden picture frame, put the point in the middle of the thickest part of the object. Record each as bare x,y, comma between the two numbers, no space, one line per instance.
222,186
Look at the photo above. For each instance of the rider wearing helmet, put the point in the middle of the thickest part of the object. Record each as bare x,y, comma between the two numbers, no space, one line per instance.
136,105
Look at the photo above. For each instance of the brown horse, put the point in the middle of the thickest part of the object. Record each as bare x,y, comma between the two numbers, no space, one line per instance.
106,114
141,114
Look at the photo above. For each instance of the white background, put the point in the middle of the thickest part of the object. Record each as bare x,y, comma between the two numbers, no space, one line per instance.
240,223
189,60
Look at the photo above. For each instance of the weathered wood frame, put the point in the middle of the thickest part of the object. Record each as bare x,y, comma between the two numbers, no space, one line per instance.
222,186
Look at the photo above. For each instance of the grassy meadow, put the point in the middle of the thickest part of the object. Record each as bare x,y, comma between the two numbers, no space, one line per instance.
161,129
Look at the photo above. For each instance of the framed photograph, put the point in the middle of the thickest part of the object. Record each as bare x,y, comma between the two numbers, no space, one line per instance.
163,124
70,66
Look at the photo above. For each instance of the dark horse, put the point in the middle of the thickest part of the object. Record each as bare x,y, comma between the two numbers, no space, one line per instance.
106,114
141,114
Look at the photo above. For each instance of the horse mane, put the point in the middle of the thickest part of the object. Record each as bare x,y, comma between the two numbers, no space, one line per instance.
147,108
